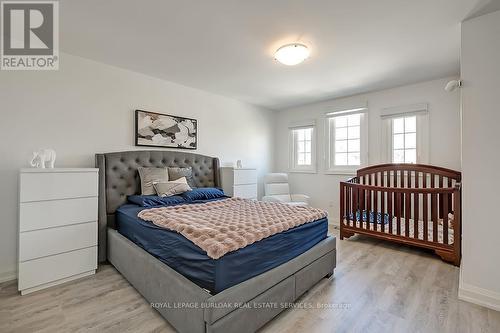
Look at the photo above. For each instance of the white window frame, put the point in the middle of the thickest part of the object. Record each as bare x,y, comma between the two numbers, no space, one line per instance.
422,116
292,148
331,168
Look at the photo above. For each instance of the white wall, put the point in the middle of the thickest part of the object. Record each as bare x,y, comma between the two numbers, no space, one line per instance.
444,138
480,278
87,107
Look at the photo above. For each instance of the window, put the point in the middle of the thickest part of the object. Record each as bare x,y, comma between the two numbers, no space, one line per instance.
347,140
302,149
405,134
303,143
347,137
404,140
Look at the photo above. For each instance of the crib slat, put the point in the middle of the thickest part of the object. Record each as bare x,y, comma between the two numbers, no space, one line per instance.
375,206
425,211
407,214
351,203
441,212
401,195
434,216
375,203
416,207
389,209
416,213
382,216
395,178
368,208
356,200
342,204
347,205
362,207
450,197
445,218
375,209
398,212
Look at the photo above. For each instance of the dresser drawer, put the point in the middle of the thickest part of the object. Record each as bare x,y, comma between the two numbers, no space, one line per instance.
57,185
49,269
245,191
245,176
46,242
46,214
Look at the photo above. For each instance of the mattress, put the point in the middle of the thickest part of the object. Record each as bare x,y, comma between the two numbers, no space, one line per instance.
411,230
216,275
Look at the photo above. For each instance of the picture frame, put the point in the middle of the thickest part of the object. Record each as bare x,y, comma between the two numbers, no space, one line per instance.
154,129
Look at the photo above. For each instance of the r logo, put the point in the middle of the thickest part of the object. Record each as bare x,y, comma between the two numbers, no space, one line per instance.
29,29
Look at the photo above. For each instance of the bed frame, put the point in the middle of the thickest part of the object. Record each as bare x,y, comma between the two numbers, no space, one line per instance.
409,196
181,302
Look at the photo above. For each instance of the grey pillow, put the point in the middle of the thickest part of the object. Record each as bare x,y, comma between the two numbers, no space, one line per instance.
175,173
149,176
169,189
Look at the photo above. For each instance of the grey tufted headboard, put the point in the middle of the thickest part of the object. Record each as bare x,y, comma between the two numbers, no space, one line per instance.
118,178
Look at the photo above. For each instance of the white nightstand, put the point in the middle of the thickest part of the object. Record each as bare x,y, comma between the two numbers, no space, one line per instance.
240,183
57,226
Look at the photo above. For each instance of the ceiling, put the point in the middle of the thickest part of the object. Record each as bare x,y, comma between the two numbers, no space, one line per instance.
226,46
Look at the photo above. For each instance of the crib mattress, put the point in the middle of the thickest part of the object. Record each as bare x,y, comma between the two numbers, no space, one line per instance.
430,230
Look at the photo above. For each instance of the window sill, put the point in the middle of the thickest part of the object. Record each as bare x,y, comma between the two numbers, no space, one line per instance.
340,172
302,171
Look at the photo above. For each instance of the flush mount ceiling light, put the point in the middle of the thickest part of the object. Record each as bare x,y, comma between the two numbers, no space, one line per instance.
292,54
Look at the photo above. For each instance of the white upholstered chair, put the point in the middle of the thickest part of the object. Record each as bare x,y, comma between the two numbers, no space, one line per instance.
277,189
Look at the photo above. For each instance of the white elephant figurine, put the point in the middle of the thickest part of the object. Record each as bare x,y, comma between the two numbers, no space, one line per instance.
41,157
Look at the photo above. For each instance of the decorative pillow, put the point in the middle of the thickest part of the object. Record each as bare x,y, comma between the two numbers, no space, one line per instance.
168,189
154,200
149,176
204,193
176,173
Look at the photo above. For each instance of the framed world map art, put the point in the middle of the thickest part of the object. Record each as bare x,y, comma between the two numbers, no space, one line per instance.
162,130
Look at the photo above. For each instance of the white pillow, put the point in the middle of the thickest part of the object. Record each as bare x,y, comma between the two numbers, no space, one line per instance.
182,180
168,189
149,176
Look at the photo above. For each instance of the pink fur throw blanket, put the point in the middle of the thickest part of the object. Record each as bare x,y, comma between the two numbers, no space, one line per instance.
219,227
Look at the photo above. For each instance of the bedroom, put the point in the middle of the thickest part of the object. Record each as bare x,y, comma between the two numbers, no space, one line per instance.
212,72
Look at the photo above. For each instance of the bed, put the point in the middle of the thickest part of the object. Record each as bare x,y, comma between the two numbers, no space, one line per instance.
413,204
193,292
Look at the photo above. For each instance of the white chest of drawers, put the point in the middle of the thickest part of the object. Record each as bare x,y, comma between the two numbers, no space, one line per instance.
240,183
57,226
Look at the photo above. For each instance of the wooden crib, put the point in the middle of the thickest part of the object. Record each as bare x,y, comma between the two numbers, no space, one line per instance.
413,204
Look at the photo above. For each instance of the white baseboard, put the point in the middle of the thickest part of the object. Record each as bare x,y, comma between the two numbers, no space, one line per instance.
487,298
333,221
8,276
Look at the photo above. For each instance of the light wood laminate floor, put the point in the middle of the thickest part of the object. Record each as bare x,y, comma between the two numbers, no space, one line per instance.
377,287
